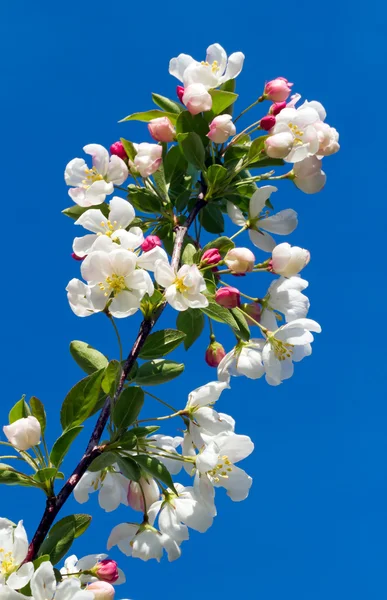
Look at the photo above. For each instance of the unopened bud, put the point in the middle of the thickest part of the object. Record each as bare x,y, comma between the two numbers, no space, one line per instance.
221,128
162,130
276,108
180,92
289,260
229,297
254,311
118,149
107,570
76,257
197,99
211,257
24,433
150,242
240,260
101,590
267,122
214,354
277,89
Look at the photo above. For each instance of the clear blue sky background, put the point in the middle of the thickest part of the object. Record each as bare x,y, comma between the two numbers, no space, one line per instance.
314,526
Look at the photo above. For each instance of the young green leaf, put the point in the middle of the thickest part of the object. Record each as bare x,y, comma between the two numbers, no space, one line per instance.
155,468
244,330
75,211
161,343
129,468
256,149
212,219
87,357
149,115
62,534
223,244
191,322
37,410
128,407
158,371
62,445
45,474
143,199
10,476
129,148
161,184
175,165
166,104
220,101
196,123
111,377
81,399
217,177
192,148
106,459
20,410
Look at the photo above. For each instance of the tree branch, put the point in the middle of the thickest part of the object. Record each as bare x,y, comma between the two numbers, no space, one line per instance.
55,503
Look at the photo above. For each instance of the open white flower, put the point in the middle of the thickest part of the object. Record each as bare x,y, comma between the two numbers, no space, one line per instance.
121,214
289,260
207,421
245,359
298,125
79,297
308,175
73,565
143,541
45,587
178,512
290,343
166,446
114,279
282,223
91,186
284,295
217,462
182,289
212,72
112,486
13,551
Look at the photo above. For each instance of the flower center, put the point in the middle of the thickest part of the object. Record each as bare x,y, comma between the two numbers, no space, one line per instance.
92,175
7,564
298,134
109,228
214,67
180,285
222,469
282,350
114,283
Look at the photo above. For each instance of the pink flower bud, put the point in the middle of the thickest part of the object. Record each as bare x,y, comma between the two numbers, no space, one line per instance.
229,297
267,122
277,90
76,257
23,433
254,310
118,149
214,354
197,99
101,590
240,260
211,257
162,130
107,570
221,128
276,108
180,92
279,144
150,242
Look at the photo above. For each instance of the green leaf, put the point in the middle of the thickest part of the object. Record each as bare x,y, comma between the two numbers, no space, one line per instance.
129,468
158,371
20,410
61,536
143,431
161,343
10,476
223,244
182,200
187,123
166,104
217,176
191,322
37,409
128,407
87,357
175,165
267,162
244,330
81,399
143,199
111,377
155,468
218,313
62,445
256,149
159,178
129,148
212,219
149,115
106,459
75,211
188,254
220,101
45,474
192,148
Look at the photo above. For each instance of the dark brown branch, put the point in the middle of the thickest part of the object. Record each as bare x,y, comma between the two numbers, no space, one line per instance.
54,504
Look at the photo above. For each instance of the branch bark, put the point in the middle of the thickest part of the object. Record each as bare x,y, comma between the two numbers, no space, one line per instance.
55,503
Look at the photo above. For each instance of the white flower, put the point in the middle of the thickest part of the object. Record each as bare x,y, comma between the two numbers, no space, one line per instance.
23,433
148,158
91,186
217,462
143,489
289,260
328,136
177,513
308,175
282,223
73,565
197,99
221,128
240,260
114,279
182,289
44,586
112,486
284,295
166,446
290,343
13,551
121,214
79,297
143,541
207,420
212,72
245,359
298,125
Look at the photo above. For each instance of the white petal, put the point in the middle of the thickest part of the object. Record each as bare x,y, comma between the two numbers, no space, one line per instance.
262,240
148,260
178,65
121,211
282,223
234,66
21,577
164,274
215,53
100,157
83,245
117,171
235,214
43,583
258,199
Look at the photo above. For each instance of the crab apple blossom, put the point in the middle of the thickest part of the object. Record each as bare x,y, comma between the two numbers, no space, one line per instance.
229,297
214,354
112,486
162,130
211,257
245,359
289,260
23,433
44,586
285,296
90,186
165,446
114,279
150,242
290,343
102,590
197,99
279,145
118,149
277,90
79,297
221,128
281,223
215,70
14,572
143,541
121,214
308,175
148,158
146,489
93,567
240,260
183,289
206,420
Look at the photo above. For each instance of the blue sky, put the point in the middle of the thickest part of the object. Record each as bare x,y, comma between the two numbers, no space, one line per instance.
314,525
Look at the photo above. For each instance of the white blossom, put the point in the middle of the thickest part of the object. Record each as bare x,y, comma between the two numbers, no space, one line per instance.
245,359
183,289
73,565
289,260
143,541
79,297
308,175
282,223
207,420
112,486
148,158
92,185
23,433
45,587
13,551
297,125
145,489
166,446
284,295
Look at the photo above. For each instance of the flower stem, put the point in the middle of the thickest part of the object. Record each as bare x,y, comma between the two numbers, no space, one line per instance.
241,230
111,319
260,99
161,401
